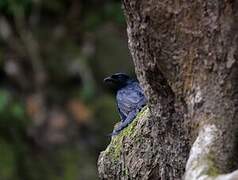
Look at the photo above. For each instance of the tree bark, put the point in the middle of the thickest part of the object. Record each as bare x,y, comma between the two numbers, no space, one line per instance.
185,55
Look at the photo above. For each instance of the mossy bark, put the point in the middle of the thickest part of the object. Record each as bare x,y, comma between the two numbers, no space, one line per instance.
185,55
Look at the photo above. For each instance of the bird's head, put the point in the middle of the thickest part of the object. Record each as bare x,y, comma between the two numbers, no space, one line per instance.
117,80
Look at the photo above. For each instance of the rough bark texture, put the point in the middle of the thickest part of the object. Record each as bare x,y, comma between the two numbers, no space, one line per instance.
185,55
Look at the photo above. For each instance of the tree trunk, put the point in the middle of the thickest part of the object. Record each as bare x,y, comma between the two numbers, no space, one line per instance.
185,55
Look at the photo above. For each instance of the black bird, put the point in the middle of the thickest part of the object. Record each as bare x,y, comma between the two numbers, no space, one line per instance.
129,96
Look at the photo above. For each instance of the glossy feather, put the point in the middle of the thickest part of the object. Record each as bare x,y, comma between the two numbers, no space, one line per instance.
130,99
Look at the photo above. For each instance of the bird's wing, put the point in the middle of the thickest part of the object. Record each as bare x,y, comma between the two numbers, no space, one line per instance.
130,99
122,115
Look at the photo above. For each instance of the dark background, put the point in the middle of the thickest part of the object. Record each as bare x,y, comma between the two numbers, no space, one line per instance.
55,112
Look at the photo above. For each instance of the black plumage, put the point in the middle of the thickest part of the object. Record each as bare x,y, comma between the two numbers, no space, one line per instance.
129,96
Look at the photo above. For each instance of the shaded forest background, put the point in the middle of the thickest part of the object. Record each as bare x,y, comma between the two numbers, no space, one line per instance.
54,109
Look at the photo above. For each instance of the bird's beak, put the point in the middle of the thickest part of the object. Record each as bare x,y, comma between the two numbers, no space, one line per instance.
109,80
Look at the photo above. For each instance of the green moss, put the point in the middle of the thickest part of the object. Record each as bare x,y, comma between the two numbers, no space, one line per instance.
208,165
114,149
127,172
213,169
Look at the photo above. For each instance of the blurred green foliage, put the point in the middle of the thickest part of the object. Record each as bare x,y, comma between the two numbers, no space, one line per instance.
80,42
7,161
17,160
11,7
13,125
110,11
12,115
